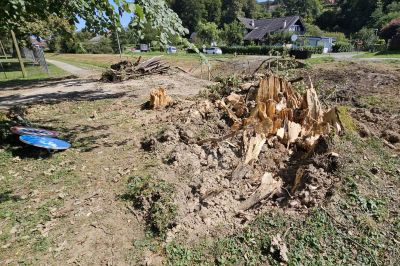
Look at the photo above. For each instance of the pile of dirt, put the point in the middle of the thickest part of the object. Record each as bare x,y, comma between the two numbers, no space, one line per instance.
126,70
368,90
263,146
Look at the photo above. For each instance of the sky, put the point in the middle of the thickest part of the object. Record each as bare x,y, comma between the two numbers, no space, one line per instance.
126,18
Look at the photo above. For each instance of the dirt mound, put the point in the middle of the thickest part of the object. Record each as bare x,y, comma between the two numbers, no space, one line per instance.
228,161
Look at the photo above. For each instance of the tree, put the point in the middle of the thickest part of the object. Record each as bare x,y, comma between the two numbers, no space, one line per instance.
191,12
308,9
232,34
367,36
208,33
213,11
250,8
100,15
232,9
390,30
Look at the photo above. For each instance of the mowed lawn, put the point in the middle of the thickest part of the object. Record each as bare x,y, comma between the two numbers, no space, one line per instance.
386,54
11,72
93,61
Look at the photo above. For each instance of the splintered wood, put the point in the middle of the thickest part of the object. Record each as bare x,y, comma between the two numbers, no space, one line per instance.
279,112
159,98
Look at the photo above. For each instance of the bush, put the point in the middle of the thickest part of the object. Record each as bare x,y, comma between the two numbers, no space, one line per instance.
266,50
368,38
394,43
300,54
103,46
252,50
341,47
312,49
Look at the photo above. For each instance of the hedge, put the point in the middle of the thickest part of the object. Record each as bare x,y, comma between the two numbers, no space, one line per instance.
340,47
266,50
252,50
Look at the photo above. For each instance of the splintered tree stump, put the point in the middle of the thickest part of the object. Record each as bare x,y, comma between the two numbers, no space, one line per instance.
159,98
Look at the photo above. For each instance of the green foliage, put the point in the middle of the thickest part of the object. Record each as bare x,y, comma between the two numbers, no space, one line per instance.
390,30
207,33
368,37
156,197
233,33
266,50
308,9
341,47
313,30
160,18
103,46
100,15
278,38
252,50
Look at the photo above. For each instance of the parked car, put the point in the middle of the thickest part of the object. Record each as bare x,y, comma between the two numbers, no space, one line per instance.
171,49
213,50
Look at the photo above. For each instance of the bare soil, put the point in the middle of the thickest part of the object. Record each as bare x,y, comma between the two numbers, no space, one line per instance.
70,206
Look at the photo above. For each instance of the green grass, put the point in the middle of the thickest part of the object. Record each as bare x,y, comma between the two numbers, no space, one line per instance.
158,196
358,228
320,59
386,54
13,71
93,61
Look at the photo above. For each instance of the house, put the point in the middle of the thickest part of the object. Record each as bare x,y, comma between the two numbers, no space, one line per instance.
258,29
326,42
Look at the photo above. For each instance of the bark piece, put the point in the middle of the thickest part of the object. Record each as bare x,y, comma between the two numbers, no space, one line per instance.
268,187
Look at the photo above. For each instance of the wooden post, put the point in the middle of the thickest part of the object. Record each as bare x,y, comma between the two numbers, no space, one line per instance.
2,48
1,64
21,63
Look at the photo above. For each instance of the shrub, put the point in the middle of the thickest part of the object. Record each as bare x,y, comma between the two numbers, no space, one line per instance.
368,38
394,43
312,49
390,29
253,50
266,50
301,54
340,47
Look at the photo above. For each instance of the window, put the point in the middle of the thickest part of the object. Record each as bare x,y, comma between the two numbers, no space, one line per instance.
295,28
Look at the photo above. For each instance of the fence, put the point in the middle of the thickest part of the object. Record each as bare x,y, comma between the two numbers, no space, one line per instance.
36,56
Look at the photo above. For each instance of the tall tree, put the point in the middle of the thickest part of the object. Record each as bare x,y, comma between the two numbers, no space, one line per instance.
100,15
308,9
213,11
190,12
232,9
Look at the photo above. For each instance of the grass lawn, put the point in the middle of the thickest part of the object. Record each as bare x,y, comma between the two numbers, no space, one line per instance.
319,59
93,61
12,72
386,54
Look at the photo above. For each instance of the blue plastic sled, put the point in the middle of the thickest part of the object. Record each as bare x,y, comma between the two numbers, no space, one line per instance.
45,142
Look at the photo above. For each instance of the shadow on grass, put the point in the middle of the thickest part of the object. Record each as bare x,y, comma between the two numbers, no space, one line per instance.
8,196
56,97
392,52
19,84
